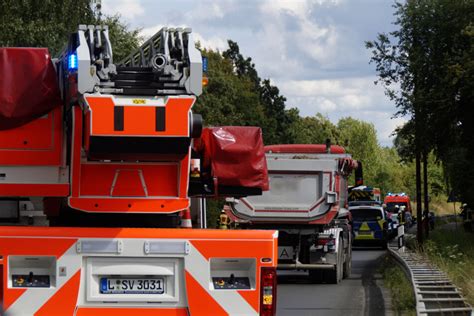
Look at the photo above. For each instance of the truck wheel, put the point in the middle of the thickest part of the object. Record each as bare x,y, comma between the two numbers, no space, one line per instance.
348,264
335,276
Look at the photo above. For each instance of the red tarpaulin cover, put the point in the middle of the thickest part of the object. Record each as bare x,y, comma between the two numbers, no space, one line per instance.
236,155
28,86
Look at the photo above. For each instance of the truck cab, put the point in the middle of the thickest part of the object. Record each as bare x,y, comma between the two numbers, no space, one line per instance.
397,199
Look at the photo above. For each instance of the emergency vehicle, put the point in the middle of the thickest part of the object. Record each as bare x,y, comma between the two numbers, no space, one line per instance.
370,225
95,160
364,193
393,200
307,204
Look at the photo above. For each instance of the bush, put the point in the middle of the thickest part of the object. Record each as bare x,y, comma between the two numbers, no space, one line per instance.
452,250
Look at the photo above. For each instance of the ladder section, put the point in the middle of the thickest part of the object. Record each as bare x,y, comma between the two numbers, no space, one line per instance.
168,63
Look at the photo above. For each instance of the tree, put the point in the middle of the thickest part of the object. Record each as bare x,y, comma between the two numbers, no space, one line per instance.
405,141
229,99
244,67
236,95
124,40
313,130
48,23
360,140
277,120
426,67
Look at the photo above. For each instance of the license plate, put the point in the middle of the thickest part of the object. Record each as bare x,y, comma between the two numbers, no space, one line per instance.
285,253
132,286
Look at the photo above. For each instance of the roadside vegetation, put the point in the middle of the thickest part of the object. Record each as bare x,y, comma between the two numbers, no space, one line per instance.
441,207
426,66
394,279
452,250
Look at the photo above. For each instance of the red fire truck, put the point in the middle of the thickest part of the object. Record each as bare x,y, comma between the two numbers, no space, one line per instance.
94,174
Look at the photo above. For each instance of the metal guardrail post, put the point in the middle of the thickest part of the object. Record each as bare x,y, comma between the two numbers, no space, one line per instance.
401,236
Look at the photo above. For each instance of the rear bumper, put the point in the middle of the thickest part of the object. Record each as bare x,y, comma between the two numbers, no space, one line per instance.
189,262
306,266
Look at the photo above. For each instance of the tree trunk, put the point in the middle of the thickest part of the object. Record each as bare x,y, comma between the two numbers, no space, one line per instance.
419,213
426,193
418,139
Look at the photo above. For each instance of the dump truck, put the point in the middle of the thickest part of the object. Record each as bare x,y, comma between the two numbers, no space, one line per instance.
307,204
95,172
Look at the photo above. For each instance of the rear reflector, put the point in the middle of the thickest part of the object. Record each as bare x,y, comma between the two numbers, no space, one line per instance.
325,241
268,291
327,244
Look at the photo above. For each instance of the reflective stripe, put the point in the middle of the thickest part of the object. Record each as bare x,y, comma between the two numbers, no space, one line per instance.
32,299
231,301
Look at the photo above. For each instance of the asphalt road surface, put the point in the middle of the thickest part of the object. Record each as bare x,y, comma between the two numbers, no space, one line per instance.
360,294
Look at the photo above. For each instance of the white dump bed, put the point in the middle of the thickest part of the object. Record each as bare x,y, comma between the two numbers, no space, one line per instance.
304,187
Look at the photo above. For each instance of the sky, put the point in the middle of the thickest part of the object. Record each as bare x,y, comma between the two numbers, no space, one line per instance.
313,50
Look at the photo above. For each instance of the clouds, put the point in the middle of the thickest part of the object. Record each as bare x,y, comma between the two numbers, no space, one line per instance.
338,98
312,49
129,9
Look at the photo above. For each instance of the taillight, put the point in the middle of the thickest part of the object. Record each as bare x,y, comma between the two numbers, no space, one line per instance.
268,292
327,244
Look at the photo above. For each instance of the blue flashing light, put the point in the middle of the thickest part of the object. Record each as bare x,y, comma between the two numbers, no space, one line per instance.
72,62
204,64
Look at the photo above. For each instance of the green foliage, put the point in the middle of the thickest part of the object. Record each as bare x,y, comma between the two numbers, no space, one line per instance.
213,208
45,23
236,95
405,141
48,23
427,68
452,250
360,140
229,99
393,175
123,40
313,130
403,298
244,67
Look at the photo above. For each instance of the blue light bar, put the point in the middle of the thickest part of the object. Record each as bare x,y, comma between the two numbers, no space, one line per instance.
204,64
72,62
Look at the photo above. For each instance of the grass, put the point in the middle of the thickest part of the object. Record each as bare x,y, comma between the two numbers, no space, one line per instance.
440,206
452,250
403,298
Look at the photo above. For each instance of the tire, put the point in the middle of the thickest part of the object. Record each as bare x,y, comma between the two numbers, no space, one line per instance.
347,264
335,276
384,244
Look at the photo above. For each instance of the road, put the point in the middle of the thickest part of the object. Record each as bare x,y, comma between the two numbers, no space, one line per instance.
361,294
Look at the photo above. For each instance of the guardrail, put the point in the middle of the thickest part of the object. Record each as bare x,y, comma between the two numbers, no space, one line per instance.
435,294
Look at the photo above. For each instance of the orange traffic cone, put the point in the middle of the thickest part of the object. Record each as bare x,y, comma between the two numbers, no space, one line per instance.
186,219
